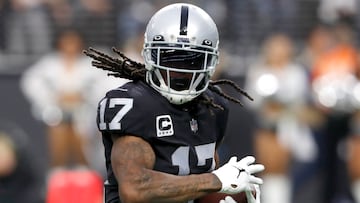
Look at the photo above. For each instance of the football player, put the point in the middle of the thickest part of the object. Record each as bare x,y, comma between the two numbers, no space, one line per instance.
162,128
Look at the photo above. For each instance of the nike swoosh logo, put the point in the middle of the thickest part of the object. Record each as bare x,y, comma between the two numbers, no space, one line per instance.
240,170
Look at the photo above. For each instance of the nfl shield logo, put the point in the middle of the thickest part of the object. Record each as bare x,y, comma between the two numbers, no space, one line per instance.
194,125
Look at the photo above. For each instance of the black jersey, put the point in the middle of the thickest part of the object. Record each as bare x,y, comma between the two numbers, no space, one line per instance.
183,137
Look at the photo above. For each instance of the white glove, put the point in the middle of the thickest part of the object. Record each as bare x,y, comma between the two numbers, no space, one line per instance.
250,197
228,199
236,176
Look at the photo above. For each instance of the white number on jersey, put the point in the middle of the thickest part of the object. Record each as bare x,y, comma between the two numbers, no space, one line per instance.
180,157
126,103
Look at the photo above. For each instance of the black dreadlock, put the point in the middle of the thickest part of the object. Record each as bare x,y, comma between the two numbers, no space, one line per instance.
126,68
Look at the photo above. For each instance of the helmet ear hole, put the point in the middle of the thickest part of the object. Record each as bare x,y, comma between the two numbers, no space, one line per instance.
207,42
158,38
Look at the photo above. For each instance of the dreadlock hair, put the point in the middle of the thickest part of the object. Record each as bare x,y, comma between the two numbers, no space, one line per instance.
126,68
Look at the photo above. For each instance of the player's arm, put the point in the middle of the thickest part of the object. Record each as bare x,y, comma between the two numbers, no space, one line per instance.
132,161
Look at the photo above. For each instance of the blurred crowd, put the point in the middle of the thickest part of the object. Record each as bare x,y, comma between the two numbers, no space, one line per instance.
299,60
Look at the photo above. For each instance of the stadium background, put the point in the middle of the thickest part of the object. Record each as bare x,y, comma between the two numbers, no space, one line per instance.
28,29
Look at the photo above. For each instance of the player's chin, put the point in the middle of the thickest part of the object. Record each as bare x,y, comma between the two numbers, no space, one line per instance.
216,197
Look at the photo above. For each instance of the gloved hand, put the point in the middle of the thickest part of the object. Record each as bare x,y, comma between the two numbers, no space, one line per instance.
250,196
228,199
236,176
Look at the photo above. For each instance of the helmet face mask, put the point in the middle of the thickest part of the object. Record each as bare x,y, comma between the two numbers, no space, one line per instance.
180,63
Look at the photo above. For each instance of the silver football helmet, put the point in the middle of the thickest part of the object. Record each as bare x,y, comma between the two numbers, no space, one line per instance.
180,51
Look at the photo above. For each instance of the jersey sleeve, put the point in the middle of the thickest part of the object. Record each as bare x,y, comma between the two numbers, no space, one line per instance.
121,113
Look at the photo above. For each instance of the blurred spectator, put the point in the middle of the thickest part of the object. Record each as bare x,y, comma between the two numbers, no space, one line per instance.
129,22
280,87
335,11
101,32
353,142
61,12
341,59
309,178
28,32
3,13
273,21
20,180
61,88
251,21
2,25
319,41
334,83
353,158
